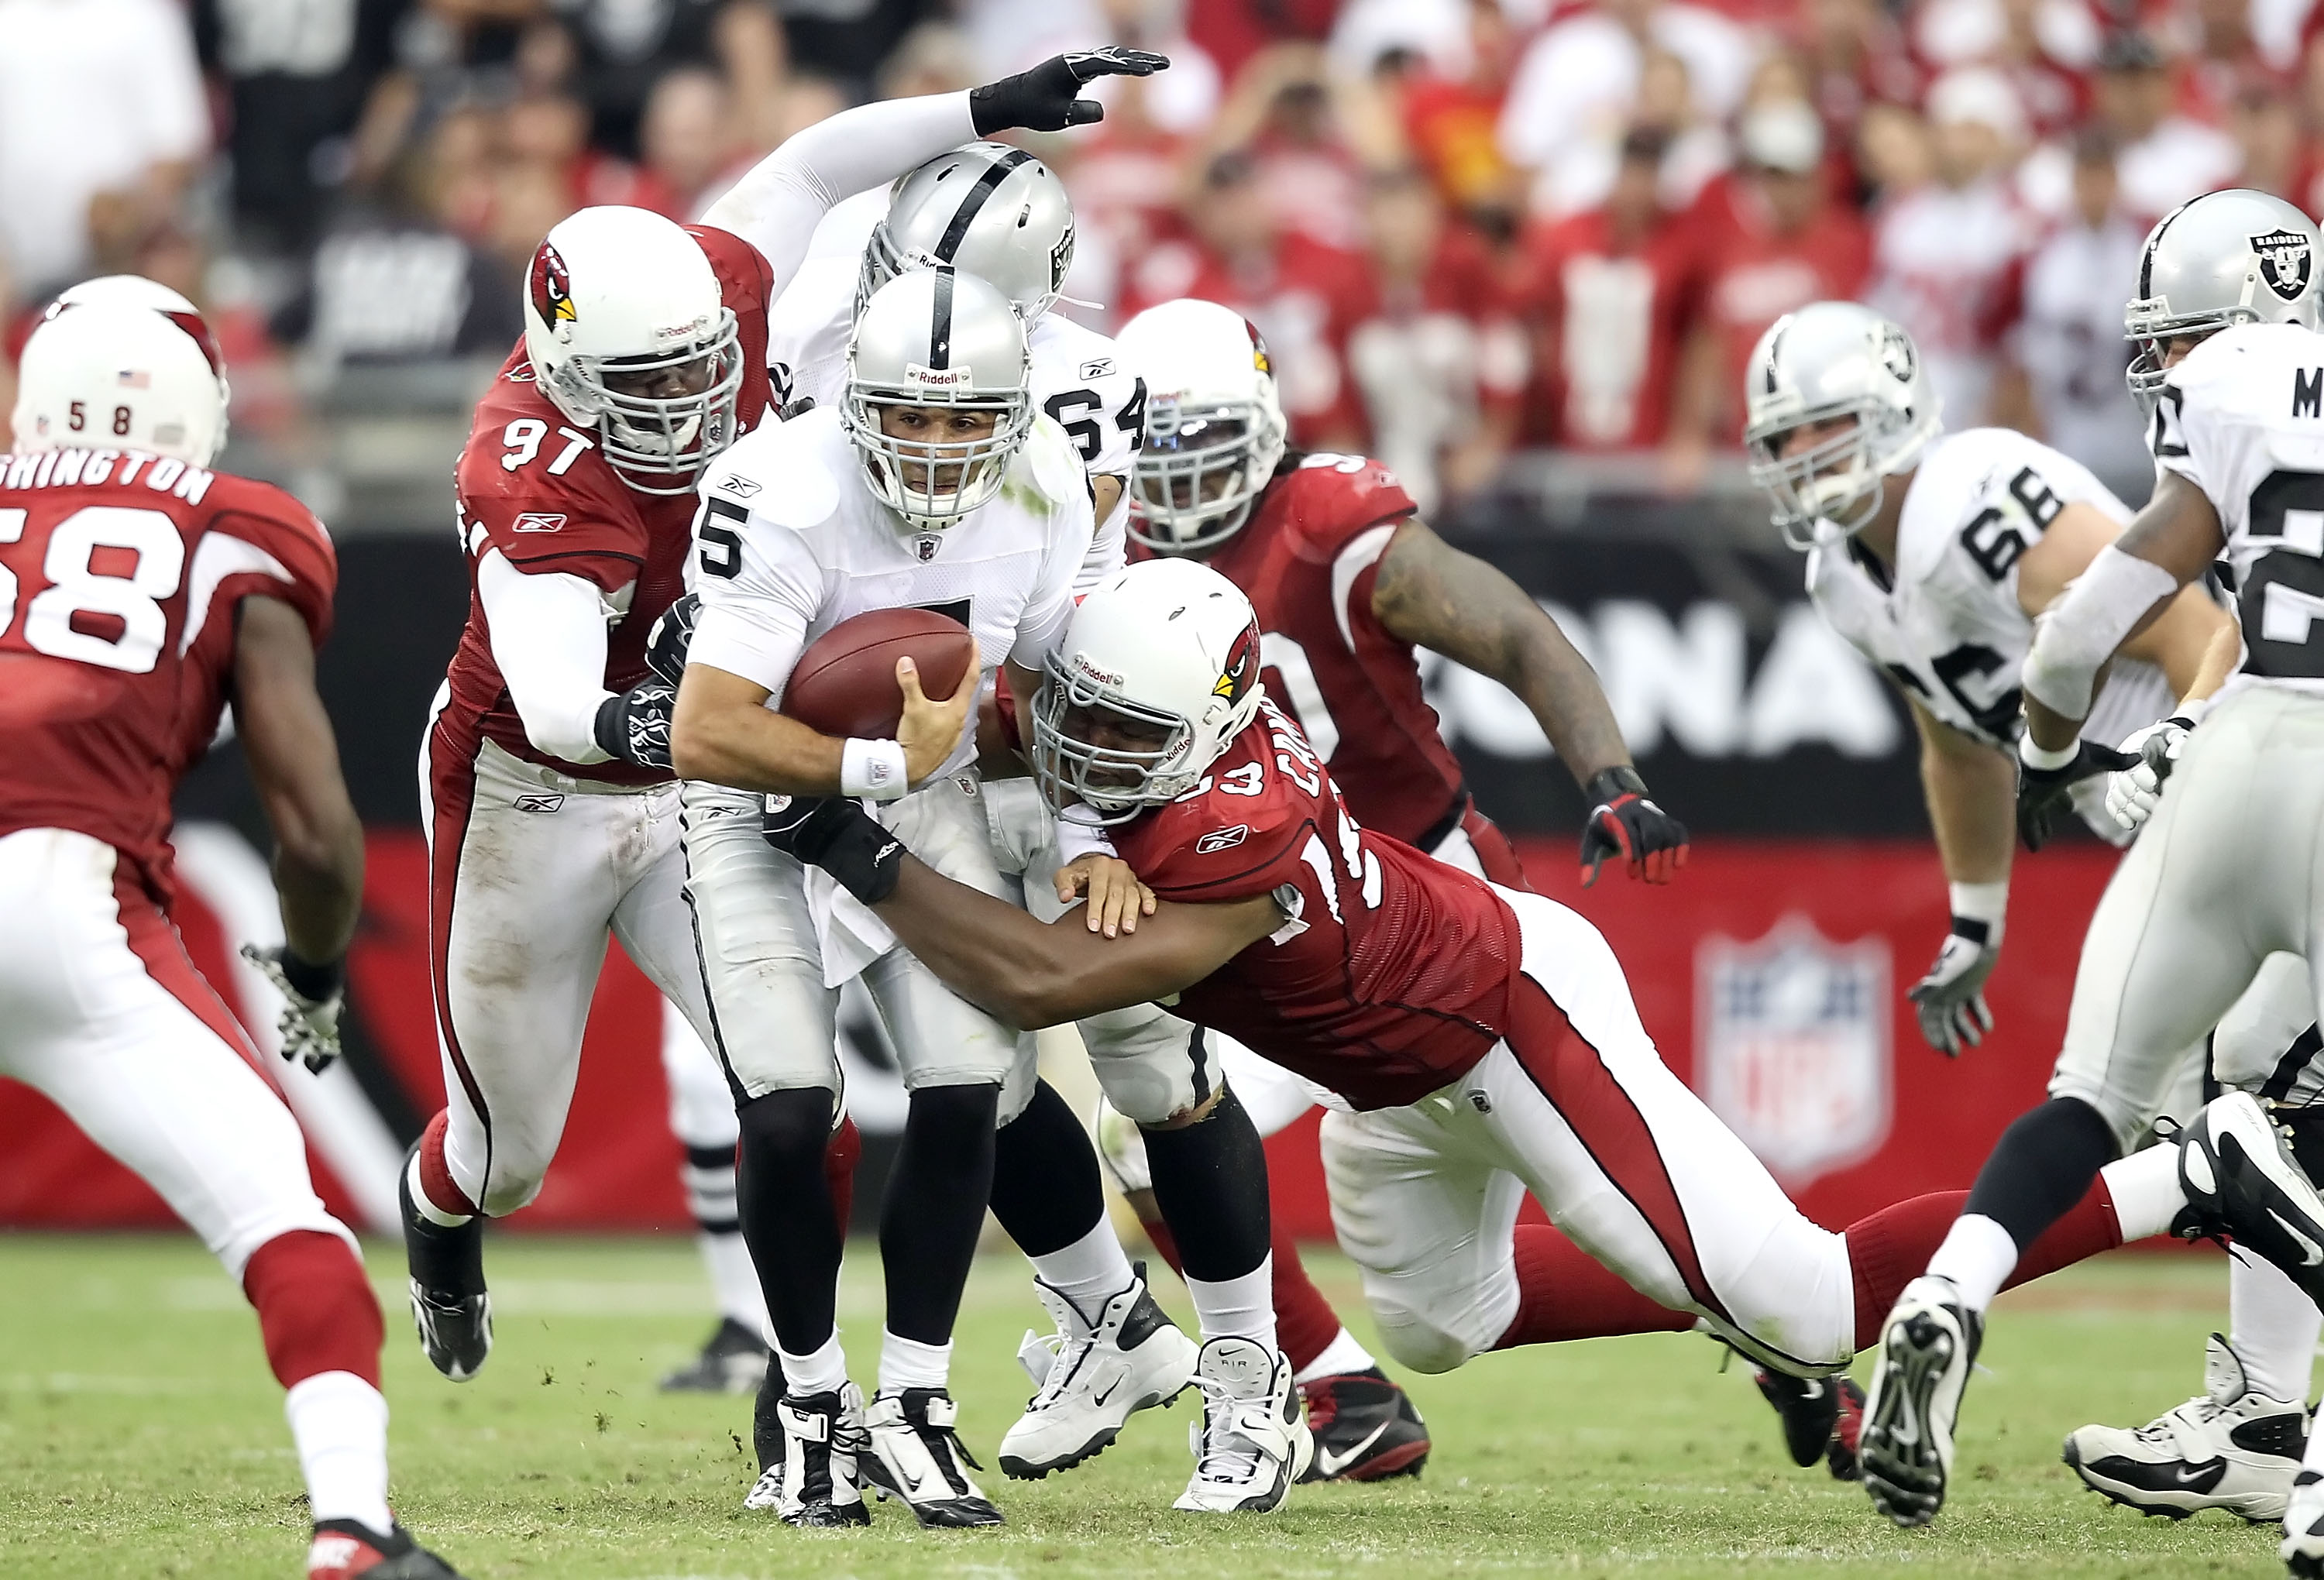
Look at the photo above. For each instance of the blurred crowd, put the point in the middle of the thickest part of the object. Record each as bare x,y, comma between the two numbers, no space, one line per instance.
1464,226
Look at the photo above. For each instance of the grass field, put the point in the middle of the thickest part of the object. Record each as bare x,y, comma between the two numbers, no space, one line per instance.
140,1435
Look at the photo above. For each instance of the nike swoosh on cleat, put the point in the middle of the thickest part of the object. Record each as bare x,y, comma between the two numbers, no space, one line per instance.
1098,1400
1328,1465
2311,1254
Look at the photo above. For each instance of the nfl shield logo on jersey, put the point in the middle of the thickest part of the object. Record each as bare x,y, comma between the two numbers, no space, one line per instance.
2285,260
1792,1033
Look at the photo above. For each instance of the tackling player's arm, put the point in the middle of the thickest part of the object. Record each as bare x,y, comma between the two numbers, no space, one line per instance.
2192,640
1431,594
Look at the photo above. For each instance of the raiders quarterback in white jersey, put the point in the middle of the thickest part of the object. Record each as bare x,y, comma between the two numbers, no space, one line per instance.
932,483
999,213
2139,1011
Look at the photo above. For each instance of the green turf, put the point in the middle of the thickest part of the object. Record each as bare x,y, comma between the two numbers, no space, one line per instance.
140,1435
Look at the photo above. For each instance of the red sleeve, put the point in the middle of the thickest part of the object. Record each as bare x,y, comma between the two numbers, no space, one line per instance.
743,274
292,560
581,520
1219,846
1337,498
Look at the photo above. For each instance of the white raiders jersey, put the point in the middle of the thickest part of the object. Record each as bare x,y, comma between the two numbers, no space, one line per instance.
1948,631
1078,377
791,541
2241,419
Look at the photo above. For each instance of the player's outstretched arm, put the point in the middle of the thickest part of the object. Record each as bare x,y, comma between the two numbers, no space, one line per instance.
294,761
1972,791
1028,974
1429,593
777,204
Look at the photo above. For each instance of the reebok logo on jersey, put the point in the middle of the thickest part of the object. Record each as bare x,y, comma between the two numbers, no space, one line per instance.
1103,367
537,521
1219,840
538,802
742,488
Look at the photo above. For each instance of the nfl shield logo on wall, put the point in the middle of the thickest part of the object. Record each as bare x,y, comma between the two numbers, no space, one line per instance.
1793,1045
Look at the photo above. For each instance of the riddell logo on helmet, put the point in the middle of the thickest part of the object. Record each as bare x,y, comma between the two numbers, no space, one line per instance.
939,378
552,290
1103,676
694,328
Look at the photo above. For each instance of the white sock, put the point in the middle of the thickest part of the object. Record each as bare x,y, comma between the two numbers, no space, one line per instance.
2272,1327
429,1209
735,1281
905,1363
1342,1356
1977,1255
1089,1271
2145,1192
339,1422
1243,1307
2314,1458
823,1371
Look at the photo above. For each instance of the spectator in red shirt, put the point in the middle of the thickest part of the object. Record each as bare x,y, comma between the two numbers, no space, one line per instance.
1304,296
1442,365
1774,242
1452,123
1612,290
1313,136
1855,56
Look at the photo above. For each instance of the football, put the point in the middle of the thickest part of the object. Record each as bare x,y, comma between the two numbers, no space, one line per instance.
844,684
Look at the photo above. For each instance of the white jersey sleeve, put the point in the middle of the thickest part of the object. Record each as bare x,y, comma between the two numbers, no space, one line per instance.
760,584
2241,419
1070,548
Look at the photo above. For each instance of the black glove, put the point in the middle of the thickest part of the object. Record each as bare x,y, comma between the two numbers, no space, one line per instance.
839,836
2041,792
1623,823
312,997
1048,98
671,635
634,725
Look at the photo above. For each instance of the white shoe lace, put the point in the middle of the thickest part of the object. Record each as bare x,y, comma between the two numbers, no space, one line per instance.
1056,1371
1223,1452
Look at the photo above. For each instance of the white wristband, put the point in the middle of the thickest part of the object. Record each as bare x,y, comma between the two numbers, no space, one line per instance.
2042,757
871,767
2193,709
1982,902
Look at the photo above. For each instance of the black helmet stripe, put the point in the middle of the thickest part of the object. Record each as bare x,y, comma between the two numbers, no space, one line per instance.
973,201
940,322
2154,245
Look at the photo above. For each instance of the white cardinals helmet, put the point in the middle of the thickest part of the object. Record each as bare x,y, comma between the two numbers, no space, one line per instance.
629,334
1843,365
1214,428
1157,673
110,376
135,291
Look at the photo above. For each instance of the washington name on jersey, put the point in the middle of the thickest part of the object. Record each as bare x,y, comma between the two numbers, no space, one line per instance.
119,574
533,485
792,541
1944,621
2241,419
1307,560
1391,974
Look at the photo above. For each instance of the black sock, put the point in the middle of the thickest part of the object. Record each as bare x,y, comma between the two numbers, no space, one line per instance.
2041,1165
1046,1190
937,1195
1210,1184
786,1211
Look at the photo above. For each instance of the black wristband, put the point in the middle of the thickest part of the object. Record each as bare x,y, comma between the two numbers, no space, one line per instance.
314,982
1613,784
606,728
1972,929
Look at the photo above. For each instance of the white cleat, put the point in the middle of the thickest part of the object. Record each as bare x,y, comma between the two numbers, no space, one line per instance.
2241,1181
2232,1448
813,1483
1100,1375
1254,1441
916,1455
2303,1528
1926,1347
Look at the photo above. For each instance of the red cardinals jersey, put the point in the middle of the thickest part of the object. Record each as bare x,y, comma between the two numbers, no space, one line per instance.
119,574
534,486
1610,322
1390,976
1308,561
